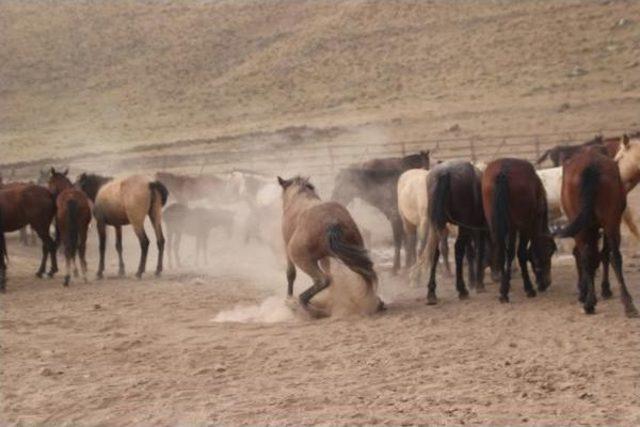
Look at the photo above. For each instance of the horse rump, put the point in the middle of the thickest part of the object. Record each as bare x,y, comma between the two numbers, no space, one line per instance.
589,179
354,257
161,189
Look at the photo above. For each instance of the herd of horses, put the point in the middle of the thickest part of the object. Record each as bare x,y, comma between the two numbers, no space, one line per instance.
498,211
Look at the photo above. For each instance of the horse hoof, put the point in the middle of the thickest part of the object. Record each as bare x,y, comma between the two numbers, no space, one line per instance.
39,275
606,294
139,275
463,295
121,273
590,310
432,300
158,273
67,279
99,276
480,289
381,306
531,293
504,299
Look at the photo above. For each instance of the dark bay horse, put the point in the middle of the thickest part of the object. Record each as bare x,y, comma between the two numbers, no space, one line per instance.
375,182
30,204
594,198
515,205
73,215
124,201
455,197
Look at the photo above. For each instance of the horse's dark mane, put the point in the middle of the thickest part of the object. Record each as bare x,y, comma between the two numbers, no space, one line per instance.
91,183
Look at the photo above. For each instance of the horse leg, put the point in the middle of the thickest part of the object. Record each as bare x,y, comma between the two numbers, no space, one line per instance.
522,260
156,219
321,280
53,250
409,242
67,264
479,240
507,256
102,237
582,291
605,257
396,228
431,293
588,252
470,254
48,245
82,251
170,247
444,249
291,276
614,244
144,247
460,246
121,272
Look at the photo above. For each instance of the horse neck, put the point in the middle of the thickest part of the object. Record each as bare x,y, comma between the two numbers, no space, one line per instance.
629,172
298,203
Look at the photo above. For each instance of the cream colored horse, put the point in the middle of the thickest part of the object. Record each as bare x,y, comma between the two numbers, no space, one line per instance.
315,231
124,201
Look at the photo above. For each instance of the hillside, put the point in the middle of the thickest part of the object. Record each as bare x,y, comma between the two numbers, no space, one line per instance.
81,76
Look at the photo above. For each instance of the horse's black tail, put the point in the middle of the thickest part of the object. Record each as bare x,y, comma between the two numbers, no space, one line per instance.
438,205
588,192
160,187
354,257
500,223
72,228
544,156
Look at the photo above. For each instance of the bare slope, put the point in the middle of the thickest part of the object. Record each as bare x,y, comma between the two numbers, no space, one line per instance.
122,72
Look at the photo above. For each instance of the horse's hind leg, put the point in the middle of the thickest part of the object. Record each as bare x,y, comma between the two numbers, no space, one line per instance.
409,242
144,248
505,282
431,293
321,280
480,244
291,276
444,250
625,296
156,219
48,248
605,257
396,228
121,271
461,243
522,260
102,237
82,251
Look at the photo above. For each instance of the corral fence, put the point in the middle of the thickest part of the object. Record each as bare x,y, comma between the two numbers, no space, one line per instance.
321,159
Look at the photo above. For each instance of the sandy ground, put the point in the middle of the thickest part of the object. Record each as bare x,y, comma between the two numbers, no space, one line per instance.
127,351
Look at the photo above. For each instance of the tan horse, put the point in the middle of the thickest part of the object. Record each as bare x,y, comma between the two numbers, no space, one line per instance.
124,201
315,231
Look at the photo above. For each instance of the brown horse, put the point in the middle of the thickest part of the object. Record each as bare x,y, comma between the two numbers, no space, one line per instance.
375,182
455,197
196,222
594,198
515,205
29,204
185,188
315,231
124,201
560,153
73,215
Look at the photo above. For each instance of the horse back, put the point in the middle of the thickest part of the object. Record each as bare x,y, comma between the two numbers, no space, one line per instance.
82,203
26,204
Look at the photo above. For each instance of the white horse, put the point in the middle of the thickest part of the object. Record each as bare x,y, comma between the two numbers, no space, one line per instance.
413,205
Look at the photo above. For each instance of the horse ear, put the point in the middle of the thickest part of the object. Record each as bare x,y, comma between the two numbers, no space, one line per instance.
53,170
283,182
66,172
625,140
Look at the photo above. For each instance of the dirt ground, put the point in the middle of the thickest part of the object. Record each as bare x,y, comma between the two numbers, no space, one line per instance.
128,351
